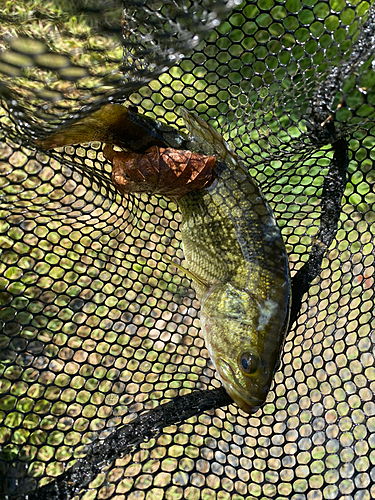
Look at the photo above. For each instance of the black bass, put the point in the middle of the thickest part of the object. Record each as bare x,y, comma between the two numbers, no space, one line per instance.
232,244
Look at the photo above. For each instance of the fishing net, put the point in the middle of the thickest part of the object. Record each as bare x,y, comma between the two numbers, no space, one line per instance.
107,390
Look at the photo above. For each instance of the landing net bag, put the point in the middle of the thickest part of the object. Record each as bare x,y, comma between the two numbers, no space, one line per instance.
106,388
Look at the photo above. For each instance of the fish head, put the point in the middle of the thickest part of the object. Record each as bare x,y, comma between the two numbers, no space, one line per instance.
244,335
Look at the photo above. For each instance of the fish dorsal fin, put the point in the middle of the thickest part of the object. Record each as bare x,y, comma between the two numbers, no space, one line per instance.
190,274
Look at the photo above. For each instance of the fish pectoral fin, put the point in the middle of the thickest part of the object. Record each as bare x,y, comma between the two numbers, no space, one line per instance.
190,274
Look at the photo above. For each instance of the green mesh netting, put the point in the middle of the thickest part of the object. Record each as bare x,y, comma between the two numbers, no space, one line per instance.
106,388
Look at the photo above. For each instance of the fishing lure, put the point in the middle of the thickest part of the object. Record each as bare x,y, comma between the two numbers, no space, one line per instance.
233,247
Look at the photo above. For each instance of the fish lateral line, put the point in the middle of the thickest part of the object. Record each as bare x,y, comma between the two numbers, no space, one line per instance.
190,274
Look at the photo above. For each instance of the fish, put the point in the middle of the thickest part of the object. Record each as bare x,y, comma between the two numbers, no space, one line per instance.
233,248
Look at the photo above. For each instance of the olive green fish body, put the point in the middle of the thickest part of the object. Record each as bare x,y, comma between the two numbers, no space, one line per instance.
232,245
234,249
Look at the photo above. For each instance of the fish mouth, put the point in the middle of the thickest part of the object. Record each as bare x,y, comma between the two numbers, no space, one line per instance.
248,403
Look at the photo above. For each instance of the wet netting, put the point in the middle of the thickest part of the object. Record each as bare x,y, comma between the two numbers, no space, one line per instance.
106,388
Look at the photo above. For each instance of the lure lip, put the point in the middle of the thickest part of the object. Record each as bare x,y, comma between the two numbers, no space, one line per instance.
249,404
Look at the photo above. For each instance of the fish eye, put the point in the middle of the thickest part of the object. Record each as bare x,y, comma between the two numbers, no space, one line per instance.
249,363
